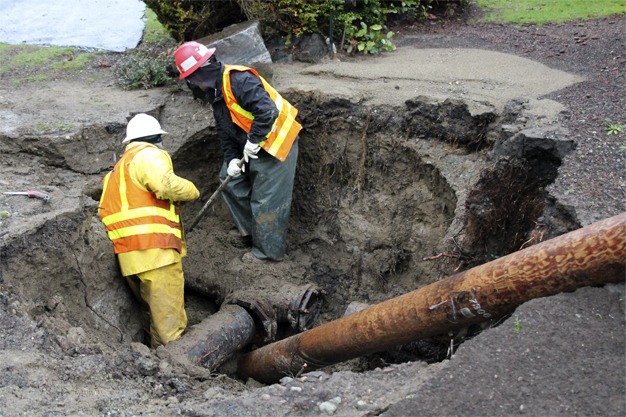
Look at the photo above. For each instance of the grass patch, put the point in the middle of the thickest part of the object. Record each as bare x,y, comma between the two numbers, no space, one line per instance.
31,56
33,61
546,11
155,32
32,78
145,68
50,128
75,61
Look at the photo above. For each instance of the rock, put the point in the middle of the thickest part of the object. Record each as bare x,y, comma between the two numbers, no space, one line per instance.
546,139
144,359
242,44
330,406
75,336
311,49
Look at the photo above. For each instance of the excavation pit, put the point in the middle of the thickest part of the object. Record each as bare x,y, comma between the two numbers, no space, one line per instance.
388,198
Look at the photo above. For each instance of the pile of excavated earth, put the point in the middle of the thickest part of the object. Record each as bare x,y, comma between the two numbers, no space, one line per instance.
414,166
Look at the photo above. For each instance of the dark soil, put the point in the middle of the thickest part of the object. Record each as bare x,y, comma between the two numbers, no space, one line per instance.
593,178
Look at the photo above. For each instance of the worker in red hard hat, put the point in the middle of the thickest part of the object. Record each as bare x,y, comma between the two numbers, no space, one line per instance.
258,127
140,209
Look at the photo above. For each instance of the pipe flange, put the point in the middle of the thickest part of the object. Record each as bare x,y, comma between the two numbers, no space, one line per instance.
261,311
304,309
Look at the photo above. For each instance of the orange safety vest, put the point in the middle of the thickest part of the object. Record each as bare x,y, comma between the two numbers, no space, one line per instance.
285,129
136,219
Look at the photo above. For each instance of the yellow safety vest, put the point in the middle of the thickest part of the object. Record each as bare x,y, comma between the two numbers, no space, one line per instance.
136,219
279,140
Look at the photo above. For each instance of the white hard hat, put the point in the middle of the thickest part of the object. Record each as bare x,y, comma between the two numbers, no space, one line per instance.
142,125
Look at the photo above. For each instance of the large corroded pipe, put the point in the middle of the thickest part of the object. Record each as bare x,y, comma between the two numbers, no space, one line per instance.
247,315
592,255
212,341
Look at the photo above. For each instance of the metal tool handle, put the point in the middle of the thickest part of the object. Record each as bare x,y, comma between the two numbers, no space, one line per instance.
209,202
200,214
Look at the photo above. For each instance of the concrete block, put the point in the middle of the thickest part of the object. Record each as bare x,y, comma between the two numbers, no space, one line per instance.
242,44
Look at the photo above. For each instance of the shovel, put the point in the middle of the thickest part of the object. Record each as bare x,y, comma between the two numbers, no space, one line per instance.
211,199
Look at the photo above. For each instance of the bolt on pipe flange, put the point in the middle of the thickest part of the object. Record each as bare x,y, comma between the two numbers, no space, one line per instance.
304,309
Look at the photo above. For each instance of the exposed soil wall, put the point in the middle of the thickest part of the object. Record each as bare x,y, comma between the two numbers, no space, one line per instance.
404,178
382,205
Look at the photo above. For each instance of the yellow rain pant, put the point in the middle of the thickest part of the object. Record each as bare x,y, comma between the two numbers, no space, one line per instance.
161,294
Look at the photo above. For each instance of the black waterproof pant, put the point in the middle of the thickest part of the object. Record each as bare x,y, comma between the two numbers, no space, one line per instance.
260,202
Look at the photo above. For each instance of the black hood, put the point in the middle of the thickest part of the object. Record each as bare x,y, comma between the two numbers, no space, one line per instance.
208,77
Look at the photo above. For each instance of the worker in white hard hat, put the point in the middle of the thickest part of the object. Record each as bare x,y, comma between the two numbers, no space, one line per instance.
140,207
258,134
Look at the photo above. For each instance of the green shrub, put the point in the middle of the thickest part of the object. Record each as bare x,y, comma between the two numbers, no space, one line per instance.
338,20
190,20
371,40
144,70
360,28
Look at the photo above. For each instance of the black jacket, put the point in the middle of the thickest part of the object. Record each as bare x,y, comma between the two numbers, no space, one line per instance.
250,94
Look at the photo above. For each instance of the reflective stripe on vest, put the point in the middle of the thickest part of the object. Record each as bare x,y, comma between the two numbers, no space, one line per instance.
136,219
279,140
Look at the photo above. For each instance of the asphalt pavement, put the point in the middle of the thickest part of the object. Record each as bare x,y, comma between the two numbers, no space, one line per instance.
113,25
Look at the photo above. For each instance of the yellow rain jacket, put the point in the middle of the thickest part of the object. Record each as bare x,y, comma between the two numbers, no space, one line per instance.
138,207
150,170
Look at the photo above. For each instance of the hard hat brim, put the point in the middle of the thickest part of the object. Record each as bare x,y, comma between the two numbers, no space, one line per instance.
129,138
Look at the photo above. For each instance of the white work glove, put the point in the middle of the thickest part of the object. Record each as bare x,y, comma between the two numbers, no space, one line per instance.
235,168
250,151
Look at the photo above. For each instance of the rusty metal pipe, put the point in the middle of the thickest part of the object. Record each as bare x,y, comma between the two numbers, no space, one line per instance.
244,317
592,255
214,340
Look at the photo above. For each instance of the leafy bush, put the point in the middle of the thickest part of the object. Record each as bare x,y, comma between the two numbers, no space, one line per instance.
360,25
194,19
337,20
144,70
371,40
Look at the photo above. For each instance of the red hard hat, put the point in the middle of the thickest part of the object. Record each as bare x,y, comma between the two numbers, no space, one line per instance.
190,56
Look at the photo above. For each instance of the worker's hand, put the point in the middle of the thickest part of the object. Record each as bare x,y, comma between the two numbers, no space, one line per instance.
235,168
250,151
